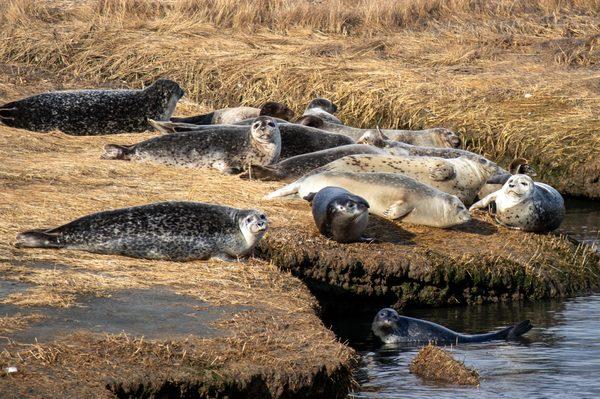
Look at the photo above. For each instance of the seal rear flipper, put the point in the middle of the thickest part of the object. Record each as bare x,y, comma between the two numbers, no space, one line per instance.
515,331
287,191
8,112
204,119
171,127
38,238
261,172
115,151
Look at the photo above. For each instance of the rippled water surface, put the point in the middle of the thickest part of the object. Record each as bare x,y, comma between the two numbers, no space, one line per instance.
559,358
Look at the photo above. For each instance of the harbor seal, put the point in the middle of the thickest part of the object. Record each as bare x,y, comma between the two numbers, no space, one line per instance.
228,151
460,176
227,116
519,166
324,109
94,112
434,137
525,205
389,195
178,231
296,166
391,328
340,215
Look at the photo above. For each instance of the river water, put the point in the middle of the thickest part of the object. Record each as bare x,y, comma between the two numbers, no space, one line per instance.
558,358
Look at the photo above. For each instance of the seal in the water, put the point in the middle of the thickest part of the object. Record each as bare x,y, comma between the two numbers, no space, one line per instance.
177,231
294,167
434,137
227,151
392,328
340,215
525,205
94,112
226,116
460,176
324,109
389,195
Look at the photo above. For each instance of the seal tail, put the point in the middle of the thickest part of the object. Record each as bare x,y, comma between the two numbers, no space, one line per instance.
38,238
115,151
260,172
204,119
285,191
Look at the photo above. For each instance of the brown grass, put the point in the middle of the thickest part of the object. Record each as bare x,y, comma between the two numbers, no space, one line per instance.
436,364
517,78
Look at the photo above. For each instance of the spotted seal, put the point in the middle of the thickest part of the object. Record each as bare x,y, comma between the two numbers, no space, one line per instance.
525,205
519,166
391,328
226,116
389,195
228,151
178,231
324,109
94,112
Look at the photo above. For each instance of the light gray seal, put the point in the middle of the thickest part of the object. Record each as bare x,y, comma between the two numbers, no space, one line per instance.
525,205
94,112
324,109
519,166
178,231
227,116
389,195
229,150
340,215
391,328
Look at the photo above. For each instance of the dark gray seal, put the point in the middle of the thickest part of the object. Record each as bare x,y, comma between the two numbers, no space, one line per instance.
340,215
94,112
299,165
229,150
392,328
324,109
226,116
177,231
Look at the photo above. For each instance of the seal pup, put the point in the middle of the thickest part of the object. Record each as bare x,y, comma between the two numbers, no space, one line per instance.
296,166
340,215
391,328
460,176
389,195
94,112
178,231
522,204
227,151
227,116
324,109
434,137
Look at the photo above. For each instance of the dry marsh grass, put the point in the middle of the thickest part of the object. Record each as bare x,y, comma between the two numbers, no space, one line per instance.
437,365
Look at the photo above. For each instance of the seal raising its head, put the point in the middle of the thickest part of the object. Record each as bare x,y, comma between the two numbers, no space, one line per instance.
226,116
324,109
166,230
229,149
94,112
525,205
392,328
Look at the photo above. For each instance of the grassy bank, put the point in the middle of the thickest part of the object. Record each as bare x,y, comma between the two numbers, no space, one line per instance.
516,78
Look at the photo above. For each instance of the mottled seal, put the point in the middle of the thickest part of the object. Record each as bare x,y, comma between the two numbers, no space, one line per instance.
94,112
389,195
340,215
392,328
226,116
324,109
519,166
177,231
460,176
525,205
228,151
434,137
294,167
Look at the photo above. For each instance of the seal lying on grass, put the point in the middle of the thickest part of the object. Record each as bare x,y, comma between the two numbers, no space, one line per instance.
229,150
392,328
94,112
178,231
227,116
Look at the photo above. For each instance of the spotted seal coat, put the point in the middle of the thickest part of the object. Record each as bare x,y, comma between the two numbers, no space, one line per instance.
178,231
226,116
523,204
94,112
391,328
324,109
228,151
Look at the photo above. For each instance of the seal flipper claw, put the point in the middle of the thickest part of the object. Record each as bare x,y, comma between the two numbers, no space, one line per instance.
38,238
398,210
7,113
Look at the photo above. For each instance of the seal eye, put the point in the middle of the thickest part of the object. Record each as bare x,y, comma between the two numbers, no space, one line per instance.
524,184
256,125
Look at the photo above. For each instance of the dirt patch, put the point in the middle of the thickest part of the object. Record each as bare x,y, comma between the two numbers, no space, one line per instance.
436,364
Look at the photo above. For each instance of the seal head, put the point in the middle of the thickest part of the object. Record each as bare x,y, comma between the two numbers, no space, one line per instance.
253,225
276,110
324,104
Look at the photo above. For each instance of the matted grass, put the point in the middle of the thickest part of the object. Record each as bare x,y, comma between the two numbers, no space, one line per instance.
437,365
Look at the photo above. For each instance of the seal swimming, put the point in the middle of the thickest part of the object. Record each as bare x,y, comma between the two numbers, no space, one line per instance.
178,231
324,109
229,150
391,328
525,205
340,215
94,112
389,195
227,116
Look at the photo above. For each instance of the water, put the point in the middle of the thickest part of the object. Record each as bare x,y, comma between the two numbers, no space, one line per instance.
558,358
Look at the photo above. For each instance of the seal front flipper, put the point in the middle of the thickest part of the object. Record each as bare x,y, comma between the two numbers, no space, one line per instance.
227,258
259,172
442,171
38,238
398,210
115,151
